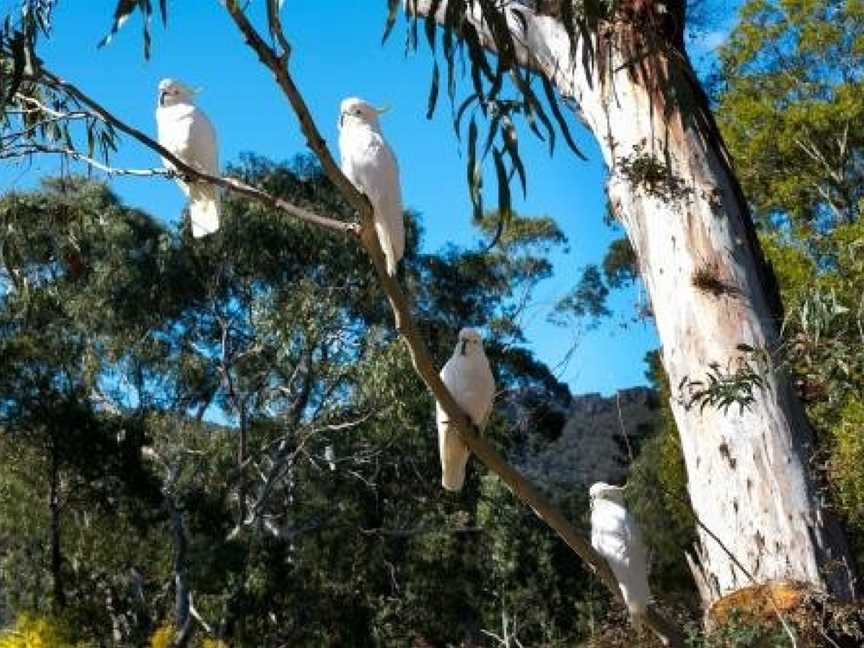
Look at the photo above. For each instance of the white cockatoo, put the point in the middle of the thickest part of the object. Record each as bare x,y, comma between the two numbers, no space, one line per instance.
616,536
469,379
370,165
186,131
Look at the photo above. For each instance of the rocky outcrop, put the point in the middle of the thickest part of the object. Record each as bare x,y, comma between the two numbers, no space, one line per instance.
597,438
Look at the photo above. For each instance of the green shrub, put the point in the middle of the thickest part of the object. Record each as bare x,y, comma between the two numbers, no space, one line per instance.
846,462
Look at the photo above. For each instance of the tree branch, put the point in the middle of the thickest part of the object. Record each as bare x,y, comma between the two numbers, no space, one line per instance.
186,171
423,530
420,356
314,140
31,148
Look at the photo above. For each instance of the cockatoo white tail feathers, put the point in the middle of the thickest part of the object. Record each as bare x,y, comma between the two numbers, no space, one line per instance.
469,379
203,209
616,536
369,163
186,132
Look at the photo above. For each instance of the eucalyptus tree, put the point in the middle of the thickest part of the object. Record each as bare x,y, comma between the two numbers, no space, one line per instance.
623,68
72,258
787,91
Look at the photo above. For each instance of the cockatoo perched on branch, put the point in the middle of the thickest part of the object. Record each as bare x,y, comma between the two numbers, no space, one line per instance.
616,536
469,379
185,131
369,164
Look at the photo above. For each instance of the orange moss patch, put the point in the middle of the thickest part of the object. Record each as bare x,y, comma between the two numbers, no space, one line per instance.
758,603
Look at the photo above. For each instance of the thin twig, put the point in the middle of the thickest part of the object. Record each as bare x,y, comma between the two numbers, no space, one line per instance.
775,608
275,22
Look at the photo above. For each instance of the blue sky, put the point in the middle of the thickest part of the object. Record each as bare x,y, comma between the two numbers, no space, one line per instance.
337,53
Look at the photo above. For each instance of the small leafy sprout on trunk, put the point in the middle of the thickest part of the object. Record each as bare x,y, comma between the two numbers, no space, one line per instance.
737,384
655,176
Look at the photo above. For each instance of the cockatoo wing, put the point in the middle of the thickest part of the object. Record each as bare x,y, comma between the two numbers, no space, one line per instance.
390,218
615,535
453,453
371,166
203,145
636,589
485,385
469,379
204,155
187,132
452,450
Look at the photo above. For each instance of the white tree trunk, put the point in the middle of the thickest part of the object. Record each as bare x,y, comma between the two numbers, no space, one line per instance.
746,470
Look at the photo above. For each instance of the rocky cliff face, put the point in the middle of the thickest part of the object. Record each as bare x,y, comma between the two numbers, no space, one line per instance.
596,437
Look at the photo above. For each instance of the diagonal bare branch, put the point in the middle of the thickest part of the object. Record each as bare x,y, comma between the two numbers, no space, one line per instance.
184,170
420,356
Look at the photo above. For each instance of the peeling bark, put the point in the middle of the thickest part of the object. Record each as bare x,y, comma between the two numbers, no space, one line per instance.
746,470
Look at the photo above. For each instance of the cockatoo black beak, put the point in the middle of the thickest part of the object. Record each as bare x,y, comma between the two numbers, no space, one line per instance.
464,346
341,119
162,96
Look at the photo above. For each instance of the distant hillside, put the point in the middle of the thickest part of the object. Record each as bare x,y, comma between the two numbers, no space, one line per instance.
593,439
